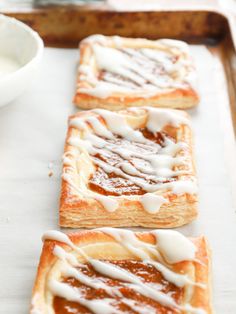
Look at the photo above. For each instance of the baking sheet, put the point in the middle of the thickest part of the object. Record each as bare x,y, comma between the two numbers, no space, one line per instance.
32,133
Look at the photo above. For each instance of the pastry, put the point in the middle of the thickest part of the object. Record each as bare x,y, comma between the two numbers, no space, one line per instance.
128,168
115,73
116,271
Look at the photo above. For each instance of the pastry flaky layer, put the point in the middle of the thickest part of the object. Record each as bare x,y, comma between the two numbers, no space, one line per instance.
115,73
129,168
116,271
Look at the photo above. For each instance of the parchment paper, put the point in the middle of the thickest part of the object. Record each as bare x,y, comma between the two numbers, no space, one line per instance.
32,134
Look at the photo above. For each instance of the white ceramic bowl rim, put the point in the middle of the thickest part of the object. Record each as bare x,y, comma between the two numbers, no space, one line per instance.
34,35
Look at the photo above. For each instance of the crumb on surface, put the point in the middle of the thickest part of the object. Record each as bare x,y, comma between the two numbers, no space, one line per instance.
50,174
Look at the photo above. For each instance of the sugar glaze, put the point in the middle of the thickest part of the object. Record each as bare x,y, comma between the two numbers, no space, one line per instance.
158,164
153,254
160,66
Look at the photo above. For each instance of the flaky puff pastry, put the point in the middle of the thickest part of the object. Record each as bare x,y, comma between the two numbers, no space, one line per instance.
116,174
117,271
115,73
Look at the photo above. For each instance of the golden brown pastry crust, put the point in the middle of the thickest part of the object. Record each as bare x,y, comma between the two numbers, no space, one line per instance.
181,96
99,245
77,211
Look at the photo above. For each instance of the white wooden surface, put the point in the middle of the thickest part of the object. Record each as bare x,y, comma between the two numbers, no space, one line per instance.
32,133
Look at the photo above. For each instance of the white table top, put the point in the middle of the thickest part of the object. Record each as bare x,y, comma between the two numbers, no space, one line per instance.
32,134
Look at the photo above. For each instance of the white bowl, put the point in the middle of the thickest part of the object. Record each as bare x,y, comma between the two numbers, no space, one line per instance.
21,50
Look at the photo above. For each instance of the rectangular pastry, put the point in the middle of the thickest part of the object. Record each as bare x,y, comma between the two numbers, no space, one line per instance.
115,73
128,168
112,271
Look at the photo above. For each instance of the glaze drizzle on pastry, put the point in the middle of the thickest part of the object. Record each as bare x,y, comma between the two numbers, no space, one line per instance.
161,65
78,278
125,162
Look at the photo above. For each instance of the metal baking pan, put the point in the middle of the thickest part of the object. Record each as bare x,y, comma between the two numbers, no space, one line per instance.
32,149
67,25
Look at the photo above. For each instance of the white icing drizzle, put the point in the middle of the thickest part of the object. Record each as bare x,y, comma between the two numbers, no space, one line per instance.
96,38
146,165
34,302
182,186
161,66
139,308
63,255
137,180
63,238
57,236
109,203
174,246
116,272
63,290
114,61
68,264
152,202
158,118
69,271
129,240
189,309
175,44
118,125
101,130
176,279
